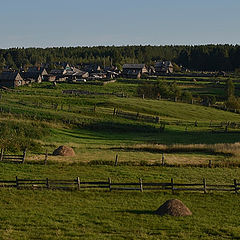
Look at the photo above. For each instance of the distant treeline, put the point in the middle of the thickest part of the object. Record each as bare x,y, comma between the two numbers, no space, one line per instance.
201,58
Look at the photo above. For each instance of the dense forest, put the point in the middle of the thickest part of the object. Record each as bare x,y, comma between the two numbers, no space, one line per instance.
201,58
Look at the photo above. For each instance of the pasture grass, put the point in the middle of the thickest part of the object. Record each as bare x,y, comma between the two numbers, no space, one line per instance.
48,214
97,137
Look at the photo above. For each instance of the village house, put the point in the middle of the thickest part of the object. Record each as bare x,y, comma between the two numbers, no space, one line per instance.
38,71
80,74
63,65
164,67
11,79
91,68
151,70
58,74
30,77
75,73
50,78
134,70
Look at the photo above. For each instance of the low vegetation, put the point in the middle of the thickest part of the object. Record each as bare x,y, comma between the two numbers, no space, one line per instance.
41,117
19,135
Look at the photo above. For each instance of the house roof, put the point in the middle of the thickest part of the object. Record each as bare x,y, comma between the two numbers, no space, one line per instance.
32,75
135,66
40,70
9,75
163,64
72,71
80,73
58,71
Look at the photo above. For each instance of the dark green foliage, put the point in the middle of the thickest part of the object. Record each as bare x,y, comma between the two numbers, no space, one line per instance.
203,57
233,103
164,90
186,96
16,136
230,88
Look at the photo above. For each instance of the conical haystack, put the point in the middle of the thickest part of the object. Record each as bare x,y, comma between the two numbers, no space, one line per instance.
64,151
173,207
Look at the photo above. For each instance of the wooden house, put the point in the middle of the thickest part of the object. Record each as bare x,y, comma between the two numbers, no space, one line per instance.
134,70
38,71
91,68
59,74
30,77
165,67
11,79
50,78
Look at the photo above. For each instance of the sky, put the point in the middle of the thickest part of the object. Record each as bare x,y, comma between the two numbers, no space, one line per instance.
56,23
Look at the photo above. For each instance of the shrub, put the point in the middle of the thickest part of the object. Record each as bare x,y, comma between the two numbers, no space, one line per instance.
16,136
233,103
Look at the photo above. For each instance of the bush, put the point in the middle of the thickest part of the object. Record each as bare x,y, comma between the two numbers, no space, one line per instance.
233,103
187,96
16,136
165,90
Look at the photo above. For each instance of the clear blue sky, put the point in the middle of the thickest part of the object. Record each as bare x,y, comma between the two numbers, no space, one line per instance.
46,23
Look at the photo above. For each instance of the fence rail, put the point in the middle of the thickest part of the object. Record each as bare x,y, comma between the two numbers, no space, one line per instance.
13,158
77,184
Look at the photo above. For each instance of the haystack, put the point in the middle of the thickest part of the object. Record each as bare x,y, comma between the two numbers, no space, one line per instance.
173,207
64,151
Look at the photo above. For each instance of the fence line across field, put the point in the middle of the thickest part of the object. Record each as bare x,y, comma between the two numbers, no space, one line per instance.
13,158
77,184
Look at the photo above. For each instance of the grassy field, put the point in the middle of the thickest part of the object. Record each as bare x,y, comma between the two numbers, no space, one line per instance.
41,118
45,214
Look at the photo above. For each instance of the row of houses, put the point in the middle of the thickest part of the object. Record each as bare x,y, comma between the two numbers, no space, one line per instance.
79,73
138,70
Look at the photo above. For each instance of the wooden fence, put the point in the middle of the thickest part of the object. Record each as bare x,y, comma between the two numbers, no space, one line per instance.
77,184
13,158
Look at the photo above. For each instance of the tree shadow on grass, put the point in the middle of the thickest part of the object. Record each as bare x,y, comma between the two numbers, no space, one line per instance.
151,135
139,212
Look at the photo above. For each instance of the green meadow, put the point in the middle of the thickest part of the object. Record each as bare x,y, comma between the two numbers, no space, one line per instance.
42,117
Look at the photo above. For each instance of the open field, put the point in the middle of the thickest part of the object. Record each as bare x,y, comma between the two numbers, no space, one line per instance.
115,215
41,117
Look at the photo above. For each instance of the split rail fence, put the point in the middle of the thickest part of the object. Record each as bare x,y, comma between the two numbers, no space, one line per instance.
77,184
13,158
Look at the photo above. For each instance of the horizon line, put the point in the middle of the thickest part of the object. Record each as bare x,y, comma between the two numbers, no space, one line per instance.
132,45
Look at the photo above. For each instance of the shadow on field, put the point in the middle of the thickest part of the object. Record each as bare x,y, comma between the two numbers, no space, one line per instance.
151,135
139,212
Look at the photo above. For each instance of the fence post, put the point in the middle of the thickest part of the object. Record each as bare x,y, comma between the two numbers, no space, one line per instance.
141,184
116,160
24,155
17,185
210,164
235,186
47,183
109,184
172,186
137,116
226,129
1,156
46,157
78,183
204,186
163,162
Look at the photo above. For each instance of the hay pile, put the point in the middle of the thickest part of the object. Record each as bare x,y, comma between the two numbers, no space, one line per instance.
173,207
64,151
